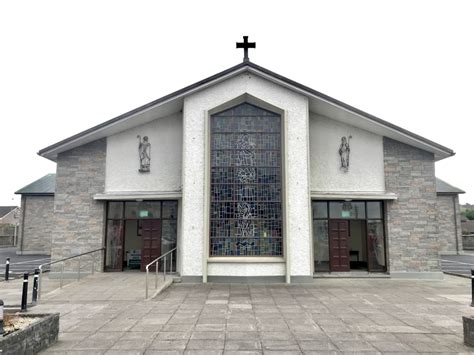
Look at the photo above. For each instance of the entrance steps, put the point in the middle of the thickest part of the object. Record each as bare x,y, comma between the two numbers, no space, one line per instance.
351,275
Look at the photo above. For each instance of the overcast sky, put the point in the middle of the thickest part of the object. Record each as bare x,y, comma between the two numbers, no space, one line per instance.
68,65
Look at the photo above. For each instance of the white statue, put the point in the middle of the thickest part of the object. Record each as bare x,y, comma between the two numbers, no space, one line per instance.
144,150
344,152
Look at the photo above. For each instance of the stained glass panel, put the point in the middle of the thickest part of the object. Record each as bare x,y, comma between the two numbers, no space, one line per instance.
246,182
376,245
321,245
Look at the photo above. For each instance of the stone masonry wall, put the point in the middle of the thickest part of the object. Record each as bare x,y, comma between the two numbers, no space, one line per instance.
79,219
34,338
412,228
447,220
36,225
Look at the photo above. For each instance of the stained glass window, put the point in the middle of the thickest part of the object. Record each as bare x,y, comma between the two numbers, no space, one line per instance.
246,183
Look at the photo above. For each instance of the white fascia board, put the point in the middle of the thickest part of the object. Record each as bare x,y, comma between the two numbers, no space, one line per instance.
350,195
138,196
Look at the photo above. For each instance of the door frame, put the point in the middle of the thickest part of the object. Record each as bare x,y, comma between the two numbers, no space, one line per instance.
124,220
123,234
383,219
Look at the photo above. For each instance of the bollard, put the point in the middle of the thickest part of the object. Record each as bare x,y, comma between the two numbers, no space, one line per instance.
35,286
24,294
7,269
472,287
1,317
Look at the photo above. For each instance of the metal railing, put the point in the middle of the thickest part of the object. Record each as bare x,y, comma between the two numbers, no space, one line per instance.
156,261
62,267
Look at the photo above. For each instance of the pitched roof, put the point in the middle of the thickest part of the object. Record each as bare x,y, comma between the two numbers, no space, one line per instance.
43,186
442,187
4,210
174,99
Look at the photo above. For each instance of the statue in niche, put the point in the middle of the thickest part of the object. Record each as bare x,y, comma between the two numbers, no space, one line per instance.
344,151
144,149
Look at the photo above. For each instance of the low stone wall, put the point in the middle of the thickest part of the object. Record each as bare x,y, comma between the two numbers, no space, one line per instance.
468,242
31,340
468,327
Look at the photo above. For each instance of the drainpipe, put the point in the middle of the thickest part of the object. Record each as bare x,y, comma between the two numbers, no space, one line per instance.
23,213
456,224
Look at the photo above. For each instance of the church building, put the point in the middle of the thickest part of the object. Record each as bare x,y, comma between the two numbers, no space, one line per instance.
251,176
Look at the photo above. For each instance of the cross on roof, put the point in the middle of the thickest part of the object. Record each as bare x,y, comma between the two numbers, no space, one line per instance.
246,45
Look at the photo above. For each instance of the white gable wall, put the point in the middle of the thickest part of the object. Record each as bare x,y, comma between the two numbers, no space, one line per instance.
366,166
166,138
195,113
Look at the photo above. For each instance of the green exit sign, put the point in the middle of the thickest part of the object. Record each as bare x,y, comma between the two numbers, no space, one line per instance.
143,214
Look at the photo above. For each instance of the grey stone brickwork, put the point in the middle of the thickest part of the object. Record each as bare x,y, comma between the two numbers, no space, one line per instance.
411,223
449,223
36,225
79,219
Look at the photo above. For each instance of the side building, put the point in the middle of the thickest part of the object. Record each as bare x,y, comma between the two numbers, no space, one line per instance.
37,216
449,218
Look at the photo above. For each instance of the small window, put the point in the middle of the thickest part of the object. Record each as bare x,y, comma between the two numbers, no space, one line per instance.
347,210
142,210
374,210
170,209
115,210
131,209
320,210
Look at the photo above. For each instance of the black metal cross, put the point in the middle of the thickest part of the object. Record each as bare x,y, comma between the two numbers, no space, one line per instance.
246,45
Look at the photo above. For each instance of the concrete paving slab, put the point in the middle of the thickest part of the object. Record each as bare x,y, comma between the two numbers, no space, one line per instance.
329,316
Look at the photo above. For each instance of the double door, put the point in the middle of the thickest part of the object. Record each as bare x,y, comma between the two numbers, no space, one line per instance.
115,243
339,245
151,239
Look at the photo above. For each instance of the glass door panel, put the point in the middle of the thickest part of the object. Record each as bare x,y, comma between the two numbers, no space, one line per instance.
321,245
114,245
376,245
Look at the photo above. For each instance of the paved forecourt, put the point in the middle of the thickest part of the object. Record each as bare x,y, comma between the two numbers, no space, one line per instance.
327,316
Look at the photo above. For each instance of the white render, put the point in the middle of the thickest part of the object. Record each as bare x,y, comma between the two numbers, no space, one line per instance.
246,269
294,110
366,168
122,162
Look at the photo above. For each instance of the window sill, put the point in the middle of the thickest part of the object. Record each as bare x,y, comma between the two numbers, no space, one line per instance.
246,259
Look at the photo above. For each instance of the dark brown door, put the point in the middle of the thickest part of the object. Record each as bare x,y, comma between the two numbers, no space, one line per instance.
151,237
338,244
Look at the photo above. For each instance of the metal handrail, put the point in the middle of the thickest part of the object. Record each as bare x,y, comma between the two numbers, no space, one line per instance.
62,267
156,269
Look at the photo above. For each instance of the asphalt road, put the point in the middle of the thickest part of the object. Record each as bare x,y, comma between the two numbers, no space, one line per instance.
458,264
20,263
